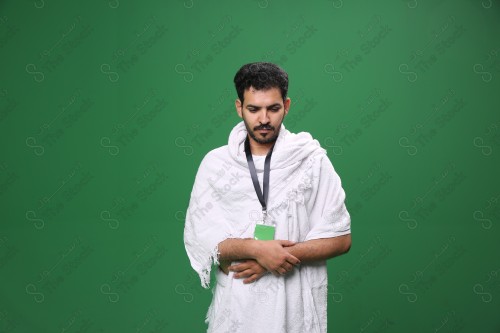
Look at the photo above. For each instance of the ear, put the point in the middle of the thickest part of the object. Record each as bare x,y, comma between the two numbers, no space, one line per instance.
286,105
239,107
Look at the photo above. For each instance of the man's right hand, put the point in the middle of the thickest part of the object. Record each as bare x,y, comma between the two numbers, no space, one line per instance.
273,257
249,269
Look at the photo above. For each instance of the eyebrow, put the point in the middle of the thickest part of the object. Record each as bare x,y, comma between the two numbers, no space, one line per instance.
268,107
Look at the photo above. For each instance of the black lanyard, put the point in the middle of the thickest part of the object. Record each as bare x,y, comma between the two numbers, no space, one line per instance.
255,180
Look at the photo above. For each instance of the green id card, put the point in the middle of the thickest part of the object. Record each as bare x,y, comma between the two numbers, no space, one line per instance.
264,232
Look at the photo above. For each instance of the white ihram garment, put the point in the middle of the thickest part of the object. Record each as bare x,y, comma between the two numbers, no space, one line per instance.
306,201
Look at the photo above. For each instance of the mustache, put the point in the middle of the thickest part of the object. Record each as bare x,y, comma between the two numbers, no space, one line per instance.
264,127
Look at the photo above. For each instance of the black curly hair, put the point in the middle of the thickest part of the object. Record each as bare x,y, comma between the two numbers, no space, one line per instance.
261,76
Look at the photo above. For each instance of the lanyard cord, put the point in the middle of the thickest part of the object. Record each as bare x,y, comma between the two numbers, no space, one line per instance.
253,173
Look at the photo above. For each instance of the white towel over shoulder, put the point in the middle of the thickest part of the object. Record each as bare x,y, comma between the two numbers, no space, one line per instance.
306,201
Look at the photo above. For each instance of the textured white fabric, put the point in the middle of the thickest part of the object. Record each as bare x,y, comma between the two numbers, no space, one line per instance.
306,201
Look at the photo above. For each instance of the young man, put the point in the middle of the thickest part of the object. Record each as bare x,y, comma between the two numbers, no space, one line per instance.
268,209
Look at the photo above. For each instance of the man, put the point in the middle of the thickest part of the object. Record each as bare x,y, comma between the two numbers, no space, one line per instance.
268,209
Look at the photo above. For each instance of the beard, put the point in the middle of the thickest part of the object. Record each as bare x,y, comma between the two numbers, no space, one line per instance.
270,137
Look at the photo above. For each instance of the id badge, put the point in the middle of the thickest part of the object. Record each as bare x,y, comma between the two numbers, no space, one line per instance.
264,232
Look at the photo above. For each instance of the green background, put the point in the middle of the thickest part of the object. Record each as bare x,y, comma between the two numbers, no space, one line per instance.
108,107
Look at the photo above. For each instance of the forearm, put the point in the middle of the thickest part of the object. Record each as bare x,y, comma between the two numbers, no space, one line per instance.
320,249
237,248
270,254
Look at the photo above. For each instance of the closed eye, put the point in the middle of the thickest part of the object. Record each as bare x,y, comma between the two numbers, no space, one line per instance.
273,107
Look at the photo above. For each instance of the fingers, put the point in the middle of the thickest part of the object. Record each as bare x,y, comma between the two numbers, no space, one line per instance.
287,267
284,268
246,269
244,274
252,278
239,267
292,259
281,270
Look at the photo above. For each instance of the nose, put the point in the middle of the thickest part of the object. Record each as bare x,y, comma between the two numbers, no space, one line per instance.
263,117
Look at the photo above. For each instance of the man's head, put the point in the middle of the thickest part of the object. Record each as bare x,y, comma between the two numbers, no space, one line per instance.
262,104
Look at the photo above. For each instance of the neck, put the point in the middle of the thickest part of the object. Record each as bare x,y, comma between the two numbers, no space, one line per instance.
259,149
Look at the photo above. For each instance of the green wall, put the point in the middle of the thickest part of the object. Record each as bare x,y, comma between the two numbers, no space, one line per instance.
108,107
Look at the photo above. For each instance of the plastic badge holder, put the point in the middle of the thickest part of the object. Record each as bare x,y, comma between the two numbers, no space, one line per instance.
264,232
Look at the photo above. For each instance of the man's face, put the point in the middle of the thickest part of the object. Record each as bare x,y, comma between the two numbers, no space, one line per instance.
263,112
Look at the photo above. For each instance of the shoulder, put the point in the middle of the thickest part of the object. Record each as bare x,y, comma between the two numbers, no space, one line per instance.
321,163
322,167
216,154
214,160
